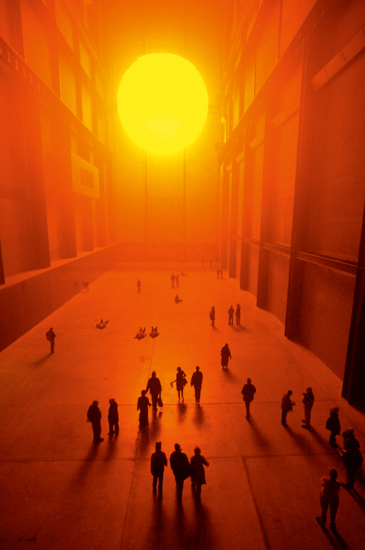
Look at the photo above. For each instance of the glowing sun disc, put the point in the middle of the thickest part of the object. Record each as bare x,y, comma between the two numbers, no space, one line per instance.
162,102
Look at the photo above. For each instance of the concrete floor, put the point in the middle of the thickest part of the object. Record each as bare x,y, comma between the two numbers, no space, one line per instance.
59,491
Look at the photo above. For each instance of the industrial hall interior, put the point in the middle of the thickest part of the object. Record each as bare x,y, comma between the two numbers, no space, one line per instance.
182,274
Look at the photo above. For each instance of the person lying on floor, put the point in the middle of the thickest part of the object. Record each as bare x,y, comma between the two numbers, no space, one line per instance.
102,324
154,332
141,333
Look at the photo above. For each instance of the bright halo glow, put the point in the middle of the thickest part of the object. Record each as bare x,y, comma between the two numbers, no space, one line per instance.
162,102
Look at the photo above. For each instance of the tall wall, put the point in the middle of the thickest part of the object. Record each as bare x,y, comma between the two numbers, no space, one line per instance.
294,154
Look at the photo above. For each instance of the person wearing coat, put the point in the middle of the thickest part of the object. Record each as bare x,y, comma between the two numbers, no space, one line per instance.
286,405
308,400
155,388
197,381
113,417
226,355
94,416
180,466
158,463
248,392
197,463
142,406
333,425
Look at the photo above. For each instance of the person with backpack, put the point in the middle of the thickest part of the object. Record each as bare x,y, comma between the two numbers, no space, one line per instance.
158,463
333,425
353,460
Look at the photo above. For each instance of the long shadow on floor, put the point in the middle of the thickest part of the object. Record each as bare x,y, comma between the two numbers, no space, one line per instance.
262,442
229,375
86,464
42,360
336,540
181,412
198,418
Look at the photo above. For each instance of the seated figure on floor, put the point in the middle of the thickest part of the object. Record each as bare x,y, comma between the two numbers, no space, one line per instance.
102,324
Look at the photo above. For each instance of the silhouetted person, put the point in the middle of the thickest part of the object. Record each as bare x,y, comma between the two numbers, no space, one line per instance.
113,417
50,335
180,383
102,324
197,463
154,386
349,439
226,356
85,286
230,315
238,314
172,281
286,405
94,416
212,315
142,406
177,280
197,381
158,463
333,425
353,460
308,400
248,391
180,466
154,332
139,285
177,299
329,498
141,333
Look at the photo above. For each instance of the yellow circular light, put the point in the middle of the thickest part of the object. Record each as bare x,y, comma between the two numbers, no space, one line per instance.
162,102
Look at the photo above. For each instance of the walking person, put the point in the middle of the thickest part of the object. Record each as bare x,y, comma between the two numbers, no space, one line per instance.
94,416
197,464
142,406
286,405
197,381
139,285
230,315
329,498
238,315
349,439
155,388
180,466
333,425
113,417
308,400
50,335
180,383
248,392
212,315
158,463
226,356
172,281
353,460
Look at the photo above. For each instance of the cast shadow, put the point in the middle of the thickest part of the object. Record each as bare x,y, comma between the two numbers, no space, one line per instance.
86,464
240,328
198,418
155,426
201,533
144,439
262,442
181,412
336,540
229,375
355,495
111,447
319,438
40,361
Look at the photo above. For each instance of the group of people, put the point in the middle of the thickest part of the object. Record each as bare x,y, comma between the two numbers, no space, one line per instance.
181,467
94,416
231,313
142,333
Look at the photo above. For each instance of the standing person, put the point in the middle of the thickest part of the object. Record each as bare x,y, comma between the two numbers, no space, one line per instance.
180,383
286,405
349,439
226,355
50,335
177,279
197,381
154,385
334,426
197,463
180,466
94,416
172,281
238,315
248,392
139,285
230,315
212,315
353,461
158,463
142,406
329,498
308,400
113,417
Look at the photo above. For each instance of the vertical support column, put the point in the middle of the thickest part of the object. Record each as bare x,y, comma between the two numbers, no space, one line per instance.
354,379
225,217
2,277
234,219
